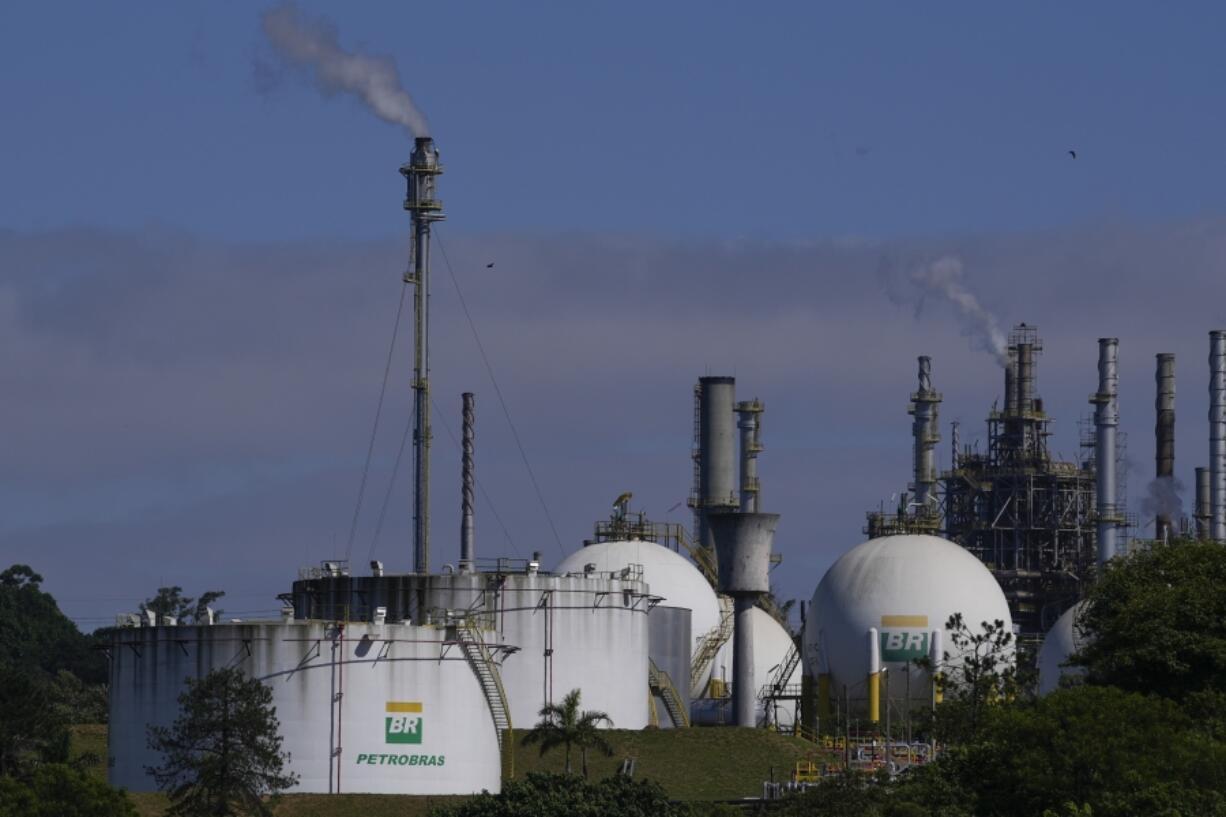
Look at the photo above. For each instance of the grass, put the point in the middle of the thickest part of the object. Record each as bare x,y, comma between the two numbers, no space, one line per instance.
700,764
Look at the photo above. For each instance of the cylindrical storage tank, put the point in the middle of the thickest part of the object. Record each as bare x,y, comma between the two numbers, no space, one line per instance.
390,708
1063,640
907,587
667,575
772,643
670,638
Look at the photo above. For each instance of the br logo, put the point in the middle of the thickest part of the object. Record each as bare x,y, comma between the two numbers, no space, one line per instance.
908,642
403,722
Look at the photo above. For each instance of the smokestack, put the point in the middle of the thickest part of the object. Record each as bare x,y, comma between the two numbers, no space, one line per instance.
469,483
1164,434
1011,382
1025,378
717,451
1217,435
424,208
1203,514
1106,418
926,433
749,413
743,546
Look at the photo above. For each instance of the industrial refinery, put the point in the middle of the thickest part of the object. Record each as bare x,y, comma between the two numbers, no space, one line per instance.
412,682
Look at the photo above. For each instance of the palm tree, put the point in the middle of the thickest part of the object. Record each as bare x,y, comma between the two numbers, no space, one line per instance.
564,725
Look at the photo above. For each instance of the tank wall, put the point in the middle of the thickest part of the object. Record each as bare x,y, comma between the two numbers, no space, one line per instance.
669,632
304,663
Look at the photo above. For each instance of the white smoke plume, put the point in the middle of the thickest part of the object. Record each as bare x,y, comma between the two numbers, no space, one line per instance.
943,278
311,45
1162,498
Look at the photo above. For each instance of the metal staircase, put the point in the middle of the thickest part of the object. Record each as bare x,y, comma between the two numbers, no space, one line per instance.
662,685
778,689
486,670
711,643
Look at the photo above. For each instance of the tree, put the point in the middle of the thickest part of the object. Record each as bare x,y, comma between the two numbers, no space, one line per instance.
35,635
56,790
565,795
564,725
223,753
170,602
980,669
1156,621
32,729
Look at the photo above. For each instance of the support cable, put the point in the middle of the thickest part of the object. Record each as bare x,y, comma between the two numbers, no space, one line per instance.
391,482
498,391
370,448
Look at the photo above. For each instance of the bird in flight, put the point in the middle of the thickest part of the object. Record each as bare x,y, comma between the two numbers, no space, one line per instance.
1073,153
490,265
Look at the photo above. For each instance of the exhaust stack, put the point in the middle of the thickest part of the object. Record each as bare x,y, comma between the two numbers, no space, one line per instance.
1203,515
716,452
468,493
424,208
749,413
1106,419
926,433
1164,434
1217,435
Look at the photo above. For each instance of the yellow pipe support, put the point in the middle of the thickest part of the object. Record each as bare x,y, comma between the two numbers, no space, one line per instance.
938,691
874,697
823,698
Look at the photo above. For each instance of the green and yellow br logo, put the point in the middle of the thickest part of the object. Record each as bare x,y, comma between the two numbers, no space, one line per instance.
904,644
403,722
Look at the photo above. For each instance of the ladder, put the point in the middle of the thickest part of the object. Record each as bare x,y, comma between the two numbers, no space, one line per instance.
661,684
486,670
711,643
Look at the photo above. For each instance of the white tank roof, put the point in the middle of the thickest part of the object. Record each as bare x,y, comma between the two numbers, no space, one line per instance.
1062,640
667,574
905,586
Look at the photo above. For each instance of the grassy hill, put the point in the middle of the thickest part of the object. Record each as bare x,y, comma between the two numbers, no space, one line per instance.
691,764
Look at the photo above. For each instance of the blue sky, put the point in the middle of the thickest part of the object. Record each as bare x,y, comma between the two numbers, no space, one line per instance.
200,259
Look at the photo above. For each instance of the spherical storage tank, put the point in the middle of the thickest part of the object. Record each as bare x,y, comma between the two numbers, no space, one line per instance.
363,707
771,645
906,587
1063,639
668,575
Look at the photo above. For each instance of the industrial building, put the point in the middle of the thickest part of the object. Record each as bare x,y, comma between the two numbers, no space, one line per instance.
410,683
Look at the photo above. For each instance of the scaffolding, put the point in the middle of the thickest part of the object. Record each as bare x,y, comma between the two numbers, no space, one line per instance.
1025,514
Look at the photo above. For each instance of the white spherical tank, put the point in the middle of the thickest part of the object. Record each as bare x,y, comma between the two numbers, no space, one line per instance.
1063,639
387,708
771,645
668,575
906,587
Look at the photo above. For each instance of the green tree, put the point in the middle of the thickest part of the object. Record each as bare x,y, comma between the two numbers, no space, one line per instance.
1157,621
566,795
565,725
57,790
32,729
170,602
35,635
223,753
979,669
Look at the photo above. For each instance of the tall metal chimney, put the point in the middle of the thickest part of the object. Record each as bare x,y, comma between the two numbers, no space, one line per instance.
926,433
1025,378
743,546
1217,435
1106,419
1164,434
716,451
749,413
424,208
470,481
1011,382
1202,514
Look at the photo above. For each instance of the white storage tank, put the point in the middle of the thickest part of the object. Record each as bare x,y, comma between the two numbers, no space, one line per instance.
385,708
1063,639
668,575
771,647
906,588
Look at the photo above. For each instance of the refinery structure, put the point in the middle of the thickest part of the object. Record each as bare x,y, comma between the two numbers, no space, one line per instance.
412,682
